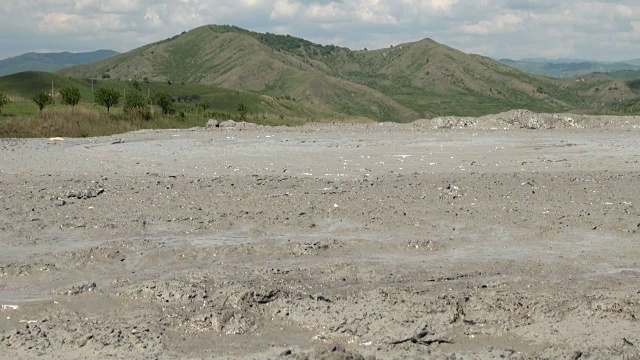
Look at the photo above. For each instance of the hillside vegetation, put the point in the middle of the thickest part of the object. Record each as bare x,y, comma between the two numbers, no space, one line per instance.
193,105
187,95
405,82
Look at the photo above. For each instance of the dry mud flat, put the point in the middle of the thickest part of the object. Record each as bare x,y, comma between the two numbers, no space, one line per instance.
325,242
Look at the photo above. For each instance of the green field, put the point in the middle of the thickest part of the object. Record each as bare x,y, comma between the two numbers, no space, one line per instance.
25,85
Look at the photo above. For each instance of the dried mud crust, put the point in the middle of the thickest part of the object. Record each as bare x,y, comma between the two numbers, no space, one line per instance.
531,252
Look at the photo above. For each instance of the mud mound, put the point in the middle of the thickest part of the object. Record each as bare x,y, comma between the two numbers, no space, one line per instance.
525,119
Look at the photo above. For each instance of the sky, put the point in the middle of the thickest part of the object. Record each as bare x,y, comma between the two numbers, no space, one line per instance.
607,30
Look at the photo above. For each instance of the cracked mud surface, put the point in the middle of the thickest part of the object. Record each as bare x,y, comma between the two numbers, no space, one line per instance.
322,242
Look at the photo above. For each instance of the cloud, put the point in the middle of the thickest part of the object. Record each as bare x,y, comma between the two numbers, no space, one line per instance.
607,30
285,10
504,23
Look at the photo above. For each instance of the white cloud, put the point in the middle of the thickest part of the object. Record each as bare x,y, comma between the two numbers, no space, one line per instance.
501,28
152,17
285,9
502,24
331,12
119,6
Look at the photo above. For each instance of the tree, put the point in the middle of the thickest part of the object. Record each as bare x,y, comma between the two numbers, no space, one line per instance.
42,99
4,100
164,100
242,109
107,97
70,95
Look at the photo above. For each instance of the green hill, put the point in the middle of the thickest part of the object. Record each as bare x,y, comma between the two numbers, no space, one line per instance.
625,74
405,82
49,61
26,84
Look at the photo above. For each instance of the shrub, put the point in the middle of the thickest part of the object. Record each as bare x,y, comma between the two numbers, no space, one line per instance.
4,100
164,101
203,106
137,105
136,85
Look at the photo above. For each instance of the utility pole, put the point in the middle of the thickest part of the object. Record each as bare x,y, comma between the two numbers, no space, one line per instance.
52,89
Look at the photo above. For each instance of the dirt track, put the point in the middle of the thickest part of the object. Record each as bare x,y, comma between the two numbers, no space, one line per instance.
326,241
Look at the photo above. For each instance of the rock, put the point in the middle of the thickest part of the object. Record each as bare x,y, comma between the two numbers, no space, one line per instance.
211,123
286,353
534,123
227,124
453,122
85,194
79,289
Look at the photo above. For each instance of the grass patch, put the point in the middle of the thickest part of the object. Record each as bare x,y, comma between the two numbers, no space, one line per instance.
79,122
24,121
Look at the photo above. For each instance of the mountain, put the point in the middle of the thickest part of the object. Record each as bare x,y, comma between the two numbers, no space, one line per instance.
566,60
635,62
566,67
545,60
405,82
49,61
